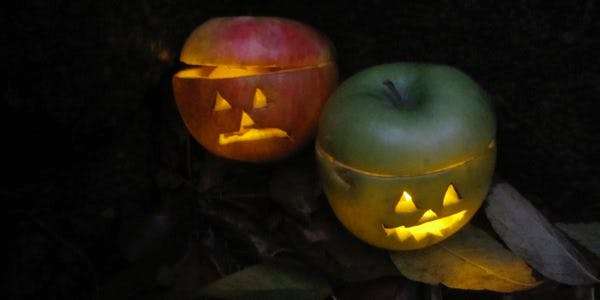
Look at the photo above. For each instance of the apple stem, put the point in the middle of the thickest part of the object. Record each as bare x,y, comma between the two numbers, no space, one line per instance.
397,99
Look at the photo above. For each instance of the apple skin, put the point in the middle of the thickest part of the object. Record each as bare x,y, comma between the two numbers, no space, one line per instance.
372,147
298,98
296,71
256,41
360,125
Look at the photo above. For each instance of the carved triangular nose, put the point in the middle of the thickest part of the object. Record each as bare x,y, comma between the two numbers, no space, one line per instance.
428,216
246,121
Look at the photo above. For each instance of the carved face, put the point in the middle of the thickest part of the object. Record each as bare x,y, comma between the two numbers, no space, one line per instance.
252,114
247,131
429,223
406,152
406,212
253,87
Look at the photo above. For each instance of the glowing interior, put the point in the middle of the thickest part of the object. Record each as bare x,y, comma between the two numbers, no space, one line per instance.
221,72
428,216
405,204
251,134
221,103
246,121
451,197
231,72
246,134
436,228
260,100
190,73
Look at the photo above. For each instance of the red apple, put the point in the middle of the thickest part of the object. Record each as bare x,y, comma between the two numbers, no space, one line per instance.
254,86
251,41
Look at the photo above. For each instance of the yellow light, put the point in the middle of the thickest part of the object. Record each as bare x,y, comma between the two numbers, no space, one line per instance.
405,204
260,100
428,215
221,103
246,121
451,197
190,73
436,228
246,134
230,72
252,134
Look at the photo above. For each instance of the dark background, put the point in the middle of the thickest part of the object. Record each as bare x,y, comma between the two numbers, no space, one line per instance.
90,131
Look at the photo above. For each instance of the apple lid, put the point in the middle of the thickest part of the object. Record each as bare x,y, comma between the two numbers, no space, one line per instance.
450,123
256,41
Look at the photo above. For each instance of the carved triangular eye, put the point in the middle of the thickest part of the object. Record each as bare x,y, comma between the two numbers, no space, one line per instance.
221,103
451,197
260,100
405,204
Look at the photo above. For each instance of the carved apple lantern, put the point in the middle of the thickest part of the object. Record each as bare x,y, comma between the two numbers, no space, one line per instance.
253,87
406,153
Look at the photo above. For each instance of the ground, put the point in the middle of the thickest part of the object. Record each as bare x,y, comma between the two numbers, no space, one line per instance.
93,144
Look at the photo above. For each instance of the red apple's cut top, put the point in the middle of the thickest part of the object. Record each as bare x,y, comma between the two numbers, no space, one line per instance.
256,41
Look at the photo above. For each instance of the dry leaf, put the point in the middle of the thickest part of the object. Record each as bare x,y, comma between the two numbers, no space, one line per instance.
210,172
384,288
346,257
296,189
268,282
196,268
586,234
246,229
145,234
529,235
471,259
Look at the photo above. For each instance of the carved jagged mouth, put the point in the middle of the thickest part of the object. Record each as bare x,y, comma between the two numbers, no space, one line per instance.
436,228
251,134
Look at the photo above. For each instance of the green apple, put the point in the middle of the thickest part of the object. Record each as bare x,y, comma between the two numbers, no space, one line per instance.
406,153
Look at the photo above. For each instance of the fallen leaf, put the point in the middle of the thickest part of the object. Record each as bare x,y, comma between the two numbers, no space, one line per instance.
268,282
392,288
297,234
210,172
295,188
529,235
195,269
145,234
586,234
471,259
265,245
346,257
167,179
